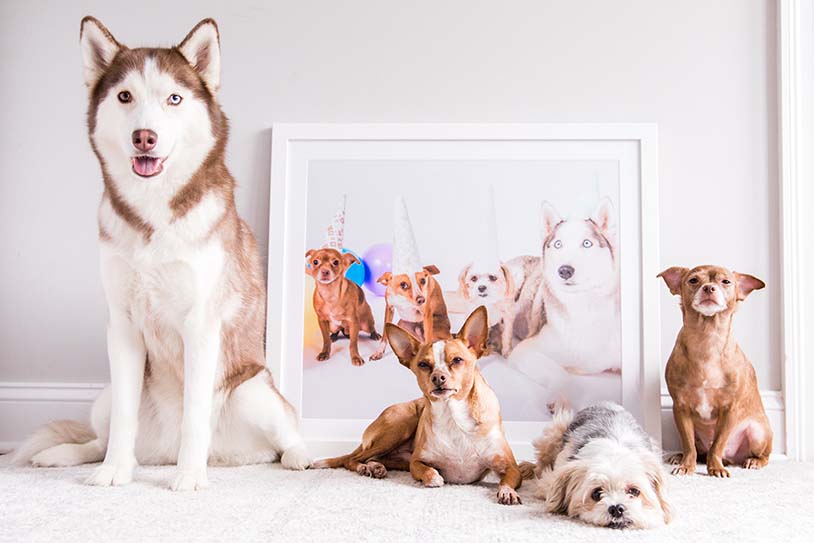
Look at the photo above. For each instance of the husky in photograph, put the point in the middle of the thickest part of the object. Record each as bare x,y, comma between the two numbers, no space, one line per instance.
182,277
577,293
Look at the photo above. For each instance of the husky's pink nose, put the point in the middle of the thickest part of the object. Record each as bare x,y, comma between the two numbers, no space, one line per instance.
144,140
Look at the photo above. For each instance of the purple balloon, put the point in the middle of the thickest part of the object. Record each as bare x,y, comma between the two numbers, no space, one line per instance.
378,260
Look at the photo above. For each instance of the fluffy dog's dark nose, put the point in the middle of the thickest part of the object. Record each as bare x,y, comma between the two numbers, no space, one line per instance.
709,289
144,140
482,288
438,379
420,300
617,510
566,271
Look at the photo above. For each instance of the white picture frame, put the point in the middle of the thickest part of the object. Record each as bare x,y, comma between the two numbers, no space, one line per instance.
632,146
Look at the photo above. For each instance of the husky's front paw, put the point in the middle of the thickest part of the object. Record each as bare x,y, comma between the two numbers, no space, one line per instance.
296,458
190,479
111,475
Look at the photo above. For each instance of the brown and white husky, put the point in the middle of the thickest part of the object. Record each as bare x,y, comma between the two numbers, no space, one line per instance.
181,274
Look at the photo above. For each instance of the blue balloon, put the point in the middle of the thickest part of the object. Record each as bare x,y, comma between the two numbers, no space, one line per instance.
356,272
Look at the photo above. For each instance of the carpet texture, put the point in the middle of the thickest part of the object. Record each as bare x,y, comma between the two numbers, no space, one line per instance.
267,503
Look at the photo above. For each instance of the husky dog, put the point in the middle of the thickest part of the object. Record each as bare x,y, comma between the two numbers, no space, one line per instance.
181,275
578,295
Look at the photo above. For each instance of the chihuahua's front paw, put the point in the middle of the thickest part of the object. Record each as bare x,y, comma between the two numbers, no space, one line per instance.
296,458
372,469
357,360
754,462
432,479
506,495
323,356
674,459
376,356
684,469
190,479
111,475
717,471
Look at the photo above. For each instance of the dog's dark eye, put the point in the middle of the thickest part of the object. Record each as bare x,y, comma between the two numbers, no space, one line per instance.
726,281
174,99
693,280
474,278
315,262
633,491
125,97
493,278
587,243
424,365
336,263
596,495
457,360
558,244
404,285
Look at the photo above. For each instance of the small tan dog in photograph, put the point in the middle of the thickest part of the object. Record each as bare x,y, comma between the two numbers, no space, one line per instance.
454,432
339,303
716,403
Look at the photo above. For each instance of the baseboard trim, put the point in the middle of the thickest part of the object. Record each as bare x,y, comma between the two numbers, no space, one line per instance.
49,392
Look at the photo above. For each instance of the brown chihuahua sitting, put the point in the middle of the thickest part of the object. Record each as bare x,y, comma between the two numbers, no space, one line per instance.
339,303
716,403
452,434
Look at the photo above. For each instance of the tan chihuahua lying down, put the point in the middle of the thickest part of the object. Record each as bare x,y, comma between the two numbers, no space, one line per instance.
716,403
452,434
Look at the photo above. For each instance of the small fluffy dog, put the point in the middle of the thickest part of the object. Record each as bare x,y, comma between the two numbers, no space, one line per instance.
578,294
339,303
494,289
453,433
716,402
601,467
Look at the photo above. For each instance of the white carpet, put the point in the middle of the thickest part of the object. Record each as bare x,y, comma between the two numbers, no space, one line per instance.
267,503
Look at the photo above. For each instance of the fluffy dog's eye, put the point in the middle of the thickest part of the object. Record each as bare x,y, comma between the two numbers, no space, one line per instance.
404,285
633,491
587,243
125,97
174,99
493,278
457,360
726,281
596,495
558,244
424,365
693,280
474,278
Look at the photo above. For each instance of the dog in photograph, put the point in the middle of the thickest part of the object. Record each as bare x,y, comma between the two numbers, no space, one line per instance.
578,297
339,303
182,277
600,466
716,402
411,290
454,433
494,289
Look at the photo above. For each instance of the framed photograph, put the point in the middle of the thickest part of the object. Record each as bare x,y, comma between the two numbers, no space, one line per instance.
551,227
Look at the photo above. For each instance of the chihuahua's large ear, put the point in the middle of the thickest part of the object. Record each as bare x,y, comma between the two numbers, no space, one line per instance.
350,259
603,216
201,48
99,48
432,269
462,288
655,474
385,278
475,331
403,343
550,219
507,275
746,284
673,276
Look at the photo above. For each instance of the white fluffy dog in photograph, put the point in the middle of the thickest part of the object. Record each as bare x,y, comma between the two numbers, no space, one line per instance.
601,467
578,296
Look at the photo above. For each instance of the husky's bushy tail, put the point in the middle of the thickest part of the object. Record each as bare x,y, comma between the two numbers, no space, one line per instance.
548,445
59,443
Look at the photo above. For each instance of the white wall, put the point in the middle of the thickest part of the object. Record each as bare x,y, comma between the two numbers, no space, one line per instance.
704,71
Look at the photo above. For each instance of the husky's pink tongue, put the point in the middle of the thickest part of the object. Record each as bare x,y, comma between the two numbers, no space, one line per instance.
147,166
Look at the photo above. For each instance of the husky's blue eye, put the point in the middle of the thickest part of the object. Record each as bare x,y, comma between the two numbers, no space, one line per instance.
124,97
558,244
587,243
174,99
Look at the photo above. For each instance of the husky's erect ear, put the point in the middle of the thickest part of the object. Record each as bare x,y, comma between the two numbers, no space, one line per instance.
550,219
603,216
201,48
99,47
475,331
